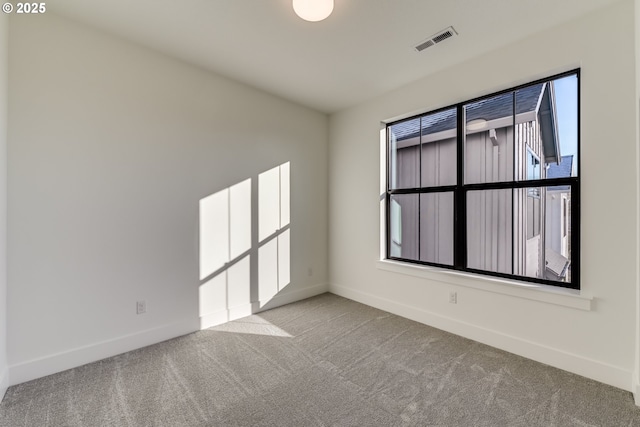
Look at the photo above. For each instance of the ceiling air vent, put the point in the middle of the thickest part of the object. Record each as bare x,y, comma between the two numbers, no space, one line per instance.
436,38
423,46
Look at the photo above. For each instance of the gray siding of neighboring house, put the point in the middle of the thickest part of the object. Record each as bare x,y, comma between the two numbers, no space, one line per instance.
501,234
489,235
489,212
436,227
486,160
435,210
439,163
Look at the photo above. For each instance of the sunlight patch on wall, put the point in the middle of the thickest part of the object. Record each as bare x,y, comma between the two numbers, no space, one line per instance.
238,280
212,295
274,266
284,259
239,219
273,201
225,264
268,203
268,270
225,227
214,232
285,194
274,258
226,296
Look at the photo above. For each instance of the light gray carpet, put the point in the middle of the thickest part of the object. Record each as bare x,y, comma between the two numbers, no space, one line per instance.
325,361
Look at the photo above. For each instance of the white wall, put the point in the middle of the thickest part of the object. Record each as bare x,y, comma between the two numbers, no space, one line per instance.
111,148
4,68
636,378
597,343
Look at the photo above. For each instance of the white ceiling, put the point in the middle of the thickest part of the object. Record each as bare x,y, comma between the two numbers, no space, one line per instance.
362,50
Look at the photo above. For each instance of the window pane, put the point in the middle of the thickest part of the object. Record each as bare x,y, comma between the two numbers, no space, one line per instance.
490,230
524,232
537,137
439,131
529,242
436,228
533,166
403,223
565,93
534,212
557,234
404,154
542,233
531,149
489,139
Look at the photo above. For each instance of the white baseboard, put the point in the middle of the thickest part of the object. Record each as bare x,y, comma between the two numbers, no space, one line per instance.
59,362
291,296
4,382
599,371
40,367
636,388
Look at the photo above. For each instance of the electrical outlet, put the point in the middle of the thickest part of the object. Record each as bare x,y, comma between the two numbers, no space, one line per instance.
309,272
453,297
141,307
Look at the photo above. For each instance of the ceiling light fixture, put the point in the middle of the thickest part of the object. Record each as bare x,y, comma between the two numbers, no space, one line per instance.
313,10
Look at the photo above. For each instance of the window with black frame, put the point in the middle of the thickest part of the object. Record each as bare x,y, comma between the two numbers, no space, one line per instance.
490,186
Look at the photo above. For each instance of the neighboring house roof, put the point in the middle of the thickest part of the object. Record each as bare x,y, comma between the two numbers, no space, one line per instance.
538,98
502,105
548,119
527,99
563,169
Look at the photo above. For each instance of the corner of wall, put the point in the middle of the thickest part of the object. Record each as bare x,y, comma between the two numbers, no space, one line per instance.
635,388
4,64
290,297
4,382
636,376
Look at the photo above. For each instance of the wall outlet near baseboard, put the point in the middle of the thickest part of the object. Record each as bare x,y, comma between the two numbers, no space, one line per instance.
453,297
141,307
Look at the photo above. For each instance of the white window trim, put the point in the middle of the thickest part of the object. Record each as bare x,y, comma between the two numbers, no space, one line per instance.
566,297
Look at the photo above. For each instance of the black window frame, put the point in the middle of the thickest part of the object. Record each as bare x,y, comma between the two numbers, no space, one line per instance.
460,190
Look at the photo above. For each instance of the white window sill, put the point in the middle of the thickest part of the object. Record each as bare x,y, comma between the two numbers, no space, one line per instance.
533,291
